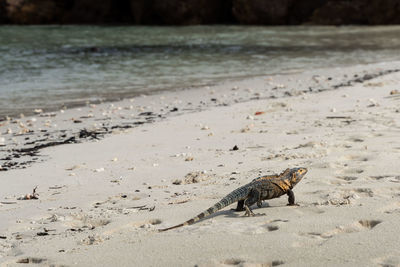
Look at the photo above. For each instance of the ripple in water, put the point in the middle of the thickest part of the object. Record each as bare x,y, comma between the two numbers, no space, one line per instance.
51,66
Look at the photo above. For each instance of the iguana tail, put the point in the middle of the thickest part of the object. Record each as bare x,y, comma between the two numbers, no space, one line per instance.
236,195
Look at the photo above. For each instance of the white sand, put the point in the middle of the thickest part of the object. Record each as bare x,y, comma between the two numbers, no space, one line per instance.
90,193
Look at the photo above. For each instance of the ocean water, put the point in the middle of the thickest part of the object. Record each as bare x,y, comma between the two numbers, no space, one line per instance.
50,67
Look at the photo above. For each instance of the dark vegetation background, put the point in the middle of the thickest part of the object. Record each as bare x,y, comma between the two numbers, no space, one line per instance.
191,12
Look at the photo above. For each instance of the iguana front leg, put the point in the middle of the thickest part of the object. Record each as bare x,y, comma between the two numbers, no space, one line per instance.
291,198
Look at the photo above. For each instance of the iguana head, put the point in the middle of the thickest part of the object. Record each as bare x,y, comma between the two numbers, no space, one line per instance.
296,174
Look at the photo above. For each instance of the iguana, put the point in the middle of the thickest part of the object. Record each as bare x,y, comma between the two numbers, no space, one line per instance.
261,188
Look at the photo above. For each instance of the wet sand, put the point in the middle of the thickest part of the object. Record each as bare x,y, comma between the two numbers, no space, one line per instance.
102,197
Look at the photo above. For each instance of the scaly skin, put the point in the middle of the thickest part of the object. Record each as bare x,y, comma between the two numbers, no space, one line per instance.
261,188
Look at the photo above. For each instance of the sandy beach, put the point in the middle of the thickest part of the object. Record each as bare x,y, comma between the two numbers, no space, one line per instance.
109,175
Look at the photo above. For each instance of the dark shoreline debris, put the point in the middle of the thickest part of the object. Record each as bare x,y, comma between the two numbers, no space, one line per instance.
31,260
366,77
34,195
8,202
339,117
42,233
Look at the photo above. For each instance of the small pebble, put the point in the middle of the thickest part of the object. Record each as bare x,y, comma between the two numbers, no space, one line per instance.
373,103
177,181
73,168
235,148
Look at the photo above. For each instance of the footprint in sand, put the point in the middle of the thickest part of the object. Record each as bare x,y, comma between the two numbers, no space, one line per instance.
347,178
337,198
357,226
91,240
148,225
272,228
246,228
320,238
369,224
32,260
79,221
241,263
273,225
123,204
353,171
392,208
145,224
361,158
365,191
356,139
387,261
380,177
311,209
396,179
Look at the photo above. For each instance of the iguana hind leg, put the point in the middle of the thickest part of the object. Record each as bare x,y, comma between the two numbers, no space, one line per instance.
240,205
254,197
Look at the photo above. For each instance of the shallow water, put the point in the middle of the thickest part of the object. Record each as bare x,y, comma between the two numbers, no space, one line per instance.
52,66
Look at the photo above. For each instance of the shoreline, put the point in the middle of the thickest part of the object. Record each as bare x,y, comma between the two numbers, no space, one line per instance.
101,202
155,92
95,121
